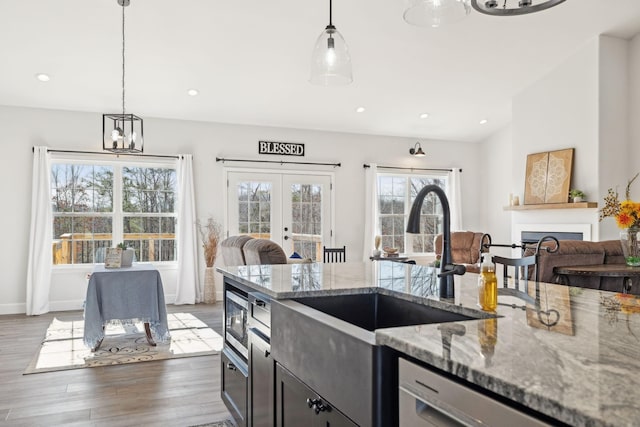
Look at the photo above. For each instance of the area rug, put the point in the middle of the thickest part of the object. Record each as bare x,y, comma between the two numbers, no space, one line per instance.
225,423
64,349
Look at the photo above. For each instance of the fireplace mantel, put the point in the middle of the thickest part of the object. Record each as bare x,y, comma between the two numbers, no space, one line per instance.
578,205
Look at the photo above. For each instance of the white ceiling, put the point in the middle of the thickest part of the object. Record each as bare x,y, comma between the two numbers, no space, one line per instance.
250,61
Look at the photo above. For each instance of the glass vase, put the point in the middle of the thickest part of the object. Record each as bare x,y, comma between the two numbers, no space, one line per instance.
631,246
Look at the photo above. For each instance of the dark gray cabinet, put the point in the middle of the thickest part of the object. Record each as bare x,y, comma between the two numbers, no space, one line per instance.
261,382
234,386
298,405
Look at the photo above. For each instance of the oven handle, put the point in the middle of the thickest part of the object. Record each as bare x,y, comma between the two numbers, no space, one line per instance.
241,301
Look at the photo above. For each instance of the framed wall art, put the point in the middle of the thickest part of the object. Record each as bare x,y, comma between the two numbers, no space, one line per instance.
548,177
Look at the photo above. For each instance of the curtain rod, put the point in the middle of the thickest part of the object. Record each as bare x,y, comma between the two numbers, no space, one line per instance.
413,169
109,154
281,162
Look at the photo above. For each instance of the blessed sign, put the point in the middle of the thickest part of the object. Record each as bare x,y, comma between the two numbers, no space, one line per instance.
280,148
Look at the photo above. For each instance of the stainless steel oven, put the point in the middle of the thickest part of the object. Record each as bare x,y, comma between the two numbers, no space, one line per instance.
236,316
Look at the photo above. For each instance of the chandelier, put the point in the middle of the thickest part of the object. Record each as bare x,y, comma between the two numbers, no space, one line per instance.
122,132
512,7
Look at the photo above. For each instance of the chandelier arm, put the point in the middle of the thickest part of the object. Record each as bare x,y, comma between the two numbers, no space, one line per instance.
491,7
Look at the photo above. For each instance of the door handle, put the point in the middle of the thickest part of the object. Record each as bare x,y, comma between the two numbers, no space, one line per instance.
231,367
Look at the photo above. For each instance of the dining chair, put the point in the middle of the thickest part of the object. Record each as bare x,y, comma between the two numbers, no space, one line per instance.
521,269
334,254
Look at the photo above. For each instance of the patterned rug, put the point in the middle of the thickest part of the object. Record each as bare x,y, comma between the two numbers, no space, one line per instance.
63,348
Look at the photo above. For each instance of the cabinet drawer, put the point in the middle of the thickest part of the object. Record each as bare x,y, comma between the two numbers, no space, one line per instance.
260,312
299,405
234,386
430,399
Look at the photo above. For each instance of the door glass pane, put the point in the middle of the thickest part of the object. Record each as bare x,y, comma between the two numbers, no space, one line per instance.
254,209
306,217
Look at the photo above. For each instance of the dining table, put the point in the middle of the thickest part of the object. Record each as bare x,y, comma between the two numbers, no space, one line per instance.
125,295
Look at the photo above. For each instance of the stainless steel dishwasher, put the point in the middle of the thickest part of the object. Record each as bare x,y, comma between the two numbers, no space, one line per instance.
430,399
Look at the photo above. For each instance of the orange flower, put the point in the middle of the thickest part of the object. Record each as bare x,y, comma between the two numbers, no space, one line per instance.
624,220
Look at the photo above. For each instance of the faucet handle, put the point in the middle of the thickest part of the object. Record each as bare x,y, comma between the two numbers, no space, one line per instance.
451,269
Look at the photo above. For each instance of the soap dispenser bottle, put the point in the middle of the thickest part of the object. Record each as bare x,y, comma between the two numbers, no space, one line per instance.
487,284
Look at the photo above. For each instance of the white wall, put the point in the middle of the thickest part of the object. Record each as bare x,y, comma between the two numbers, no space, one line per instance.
496,186
582,104
614,145
633,158
23,128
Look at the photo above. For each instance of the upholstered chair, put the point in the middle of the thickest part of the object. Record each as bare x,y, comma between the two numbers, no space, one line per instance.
465,249
231,250
263,251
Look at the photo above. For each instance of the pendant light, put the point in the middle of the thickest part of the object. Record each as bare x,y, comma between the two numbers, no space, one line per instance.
122,133
435,13
512,7
331,62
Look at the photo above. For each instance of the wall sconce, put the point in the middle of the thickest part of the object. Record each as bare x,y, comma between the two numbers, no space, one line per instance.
417,150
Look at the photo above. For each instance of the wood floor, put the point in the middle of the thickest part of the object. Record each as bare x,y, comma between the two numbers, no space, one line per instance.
176,392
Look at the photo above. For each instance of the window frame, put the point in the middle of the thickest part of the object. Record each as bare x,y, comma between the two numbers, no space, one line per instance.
117,214
407,176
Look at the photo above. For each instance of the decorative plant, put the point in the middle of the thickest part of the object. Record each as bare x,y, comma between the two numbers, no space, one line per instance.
627,212
210,233
574,193
122,246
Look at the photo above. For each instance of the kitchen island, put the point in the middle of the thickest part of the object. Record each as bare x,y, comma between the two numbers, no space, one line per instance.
573,355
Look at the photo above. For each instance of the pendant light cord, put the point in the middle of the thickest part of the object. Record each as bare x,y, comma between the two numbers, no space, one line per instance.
123,6
330,20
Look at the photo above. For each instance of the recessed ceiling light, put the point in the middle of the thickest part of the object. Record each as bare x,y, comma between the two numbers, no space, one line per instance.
360,110
424,115
483,121
193,92
43,77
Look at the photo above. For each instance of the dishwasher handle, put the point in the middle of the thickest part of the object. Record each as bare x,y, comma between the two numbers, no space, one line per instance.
435,413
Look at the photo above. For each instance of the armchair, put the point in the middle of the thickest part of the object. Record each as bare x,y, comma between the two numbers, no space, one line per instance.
465,249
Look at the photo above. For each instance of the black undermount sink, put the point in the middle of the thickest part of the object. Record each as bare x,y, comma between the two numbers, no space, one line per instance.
375,311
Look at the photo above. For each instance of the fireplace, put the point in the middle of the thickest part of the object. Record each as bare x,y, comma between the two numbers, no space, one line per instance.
535,236
531,233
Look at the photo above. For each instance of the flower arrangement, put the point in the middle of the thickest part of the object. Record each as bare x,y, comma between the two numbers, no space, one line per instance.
626,212
210,233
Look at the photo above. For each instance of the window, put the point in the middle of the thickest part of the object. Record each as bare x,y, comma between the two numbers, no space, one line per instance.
98,205
396,194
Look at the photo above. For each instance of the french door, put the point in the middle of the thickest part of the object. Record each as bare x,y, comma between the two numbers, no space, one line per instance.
292,209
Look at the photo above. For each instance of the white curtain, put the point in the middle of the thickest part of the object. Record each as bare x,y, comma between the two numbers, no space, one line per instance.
188,290
371,210
40,251
455,199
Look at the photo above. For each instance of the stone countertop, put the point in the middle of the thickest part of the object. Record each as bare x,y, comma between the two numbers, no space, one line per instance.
574,356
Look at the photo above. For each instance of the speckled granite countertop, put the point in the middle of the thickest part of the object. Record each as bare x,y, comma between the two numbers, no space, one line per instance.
583,370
